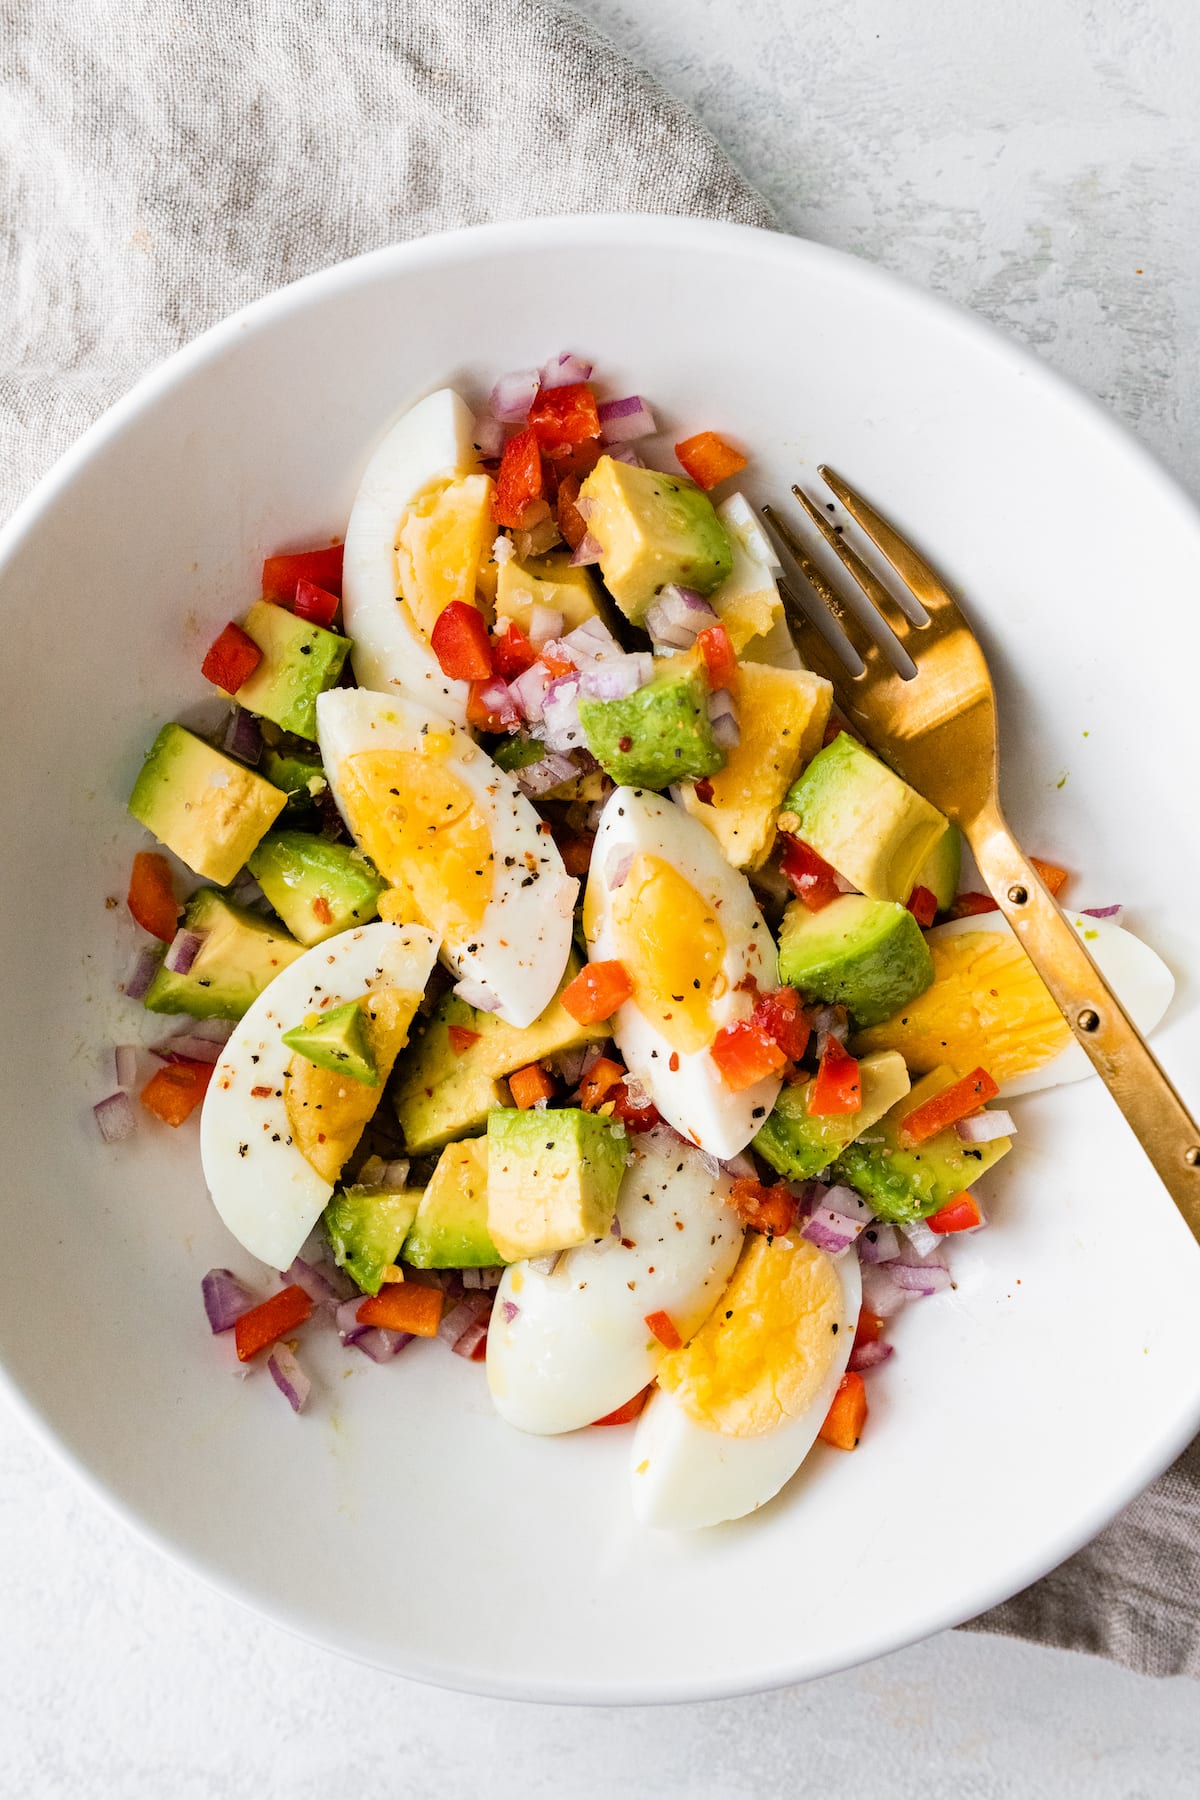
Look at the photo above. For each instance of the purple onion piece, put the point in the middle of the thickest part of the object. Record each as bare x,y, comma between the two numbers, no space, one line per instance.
545,623
618,679
489,437
471,1338
588,551
617,867
678,616
243,737
289,1377
851,1205
545,1265
218,1030
456,1321
561,730
625,453
529,692
189,1047
350,1327
564,370
591,642
882,1294
726,732
1113,914
183,950
623,421
475,994
879,1243
509,1310
513,395
380,1344
125,1064
324,1283
922,1281
985,1127
115,1117
868,1356
921,1244
830,1231
144,970
225,1299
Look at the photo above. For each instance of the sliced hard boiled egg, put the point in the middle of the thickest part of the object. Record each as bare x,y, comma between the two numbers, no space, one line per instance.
276,1130
663,901
747,601
419,533
988,1007
737,1410
569,1347
463,848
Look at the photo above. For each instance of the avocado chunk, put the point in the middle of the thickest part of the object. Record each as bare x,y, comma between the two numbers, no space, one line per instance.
366,1227
301,776
871,826
240,954
653,529
207,808
442,1093
910,1184
518,753
869,955
450,1230
548,581
658,735
552,1180
337,1040
299,662
316,887
942,867
800,1146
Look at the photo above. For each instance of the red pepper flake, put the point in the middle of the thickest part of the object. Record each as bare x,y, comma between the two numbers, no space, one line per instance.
321,910
261,1093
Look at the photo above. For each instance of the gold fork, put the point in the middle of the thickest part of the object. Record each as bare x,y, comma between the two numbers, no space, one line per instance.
937,729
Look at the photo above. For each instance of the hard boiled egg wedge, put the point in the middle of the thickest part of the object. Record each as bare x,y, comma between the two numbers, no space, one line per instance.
663,901
737,1410
276,1130
463,848
988,1007
419,533
567,1348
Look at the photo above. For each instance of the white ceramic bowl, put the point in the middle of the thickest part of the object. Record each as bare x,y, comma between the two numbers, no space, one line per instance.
400,1520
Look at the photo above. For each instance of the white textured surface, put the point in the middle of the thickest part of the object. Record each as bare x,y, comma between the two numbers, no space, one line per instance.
1028,163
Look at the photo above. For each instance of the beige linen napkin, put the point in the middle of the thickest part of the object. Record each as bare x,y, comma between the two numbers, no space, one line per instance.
162,163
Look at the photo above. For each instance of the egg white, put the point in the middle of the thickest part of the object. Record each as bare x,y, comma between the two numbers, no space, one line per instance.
578,1345
1139,977
687,1477
267,1193
433,441
693,1097
519,951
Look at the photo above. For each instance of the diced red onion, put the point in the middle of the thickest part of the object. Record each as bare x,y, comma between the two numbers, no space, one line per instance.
851,1205
380,1344
829,1022
545,1265
509,1311
985,1127
496,696
545,624
678,616
513,395
125,1064
722,716
455,1322
741,1165
623,421
588,551
184,948
1114,914
472,1337
543,777
475,993
561,729
483,1279
920,1244
879,1243
115,1117
591,642
617,867
882,1294
325,1284
225,1299
144,971
617,679
569,1064
289,1377
489,436
831,1231
528,691
565,370
923,1281
868,1356
625,453
347,1320
188,1046
243,736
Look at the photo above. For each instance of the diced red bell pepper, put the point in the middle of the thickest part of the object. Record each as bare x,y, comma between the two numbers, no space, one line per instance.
565,416
598,1083
404,1306
151,897
869,1329
571,521
281,574
781,1016
922,904
529,1085
960,1214
266,1324
967,905
597,992
1052,877
576,852
623,1414
744,1054
555,662
461,644
635,1117
663,1327
231,659
808,875
771,1210
520,479
844,1422
512,652
316,604
460,1039
708,459
720,657
837,1088
174,1092
955,1102
490,706
703,790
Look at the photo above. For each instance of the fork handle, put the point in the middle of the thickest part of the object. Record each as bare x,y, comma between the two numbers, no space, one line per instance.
1120,1054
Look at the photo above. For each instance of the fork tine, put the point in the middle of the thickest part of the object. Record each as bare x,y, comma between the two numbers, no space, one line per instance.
841,615
893,616
909,565
814,649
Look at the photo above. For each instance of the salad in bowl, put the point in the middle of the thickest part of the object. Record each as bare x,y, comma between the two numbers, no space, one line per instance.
559,978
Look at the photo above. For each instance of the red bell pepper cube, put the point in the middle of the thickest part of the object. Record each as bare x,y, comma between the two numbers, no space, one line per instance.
960,1214
844,1422
461,644
531,1084
622,1415
231,659
958,1101
1052,877
869,1329
571,521
565,416
512,652
265,1324
316,604
151,897
596,1086
323,568
576,852
708,459
490,706
174,1092
404,1306
808,875
634,1117
968,905
597,991
781,1016
663,1327
837,1088
922,904
520,479
720,657
460,1039
744,1054
771,1210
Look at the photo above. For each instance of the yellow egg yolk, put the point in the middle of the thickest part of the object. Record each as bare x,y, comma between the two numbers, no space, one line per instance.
671,943
763,1353
328,1112
441,542
988,1007
425,832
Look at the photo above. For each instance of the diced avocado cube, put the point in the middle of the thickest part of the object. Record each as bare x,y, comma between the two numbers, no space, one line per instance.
450,1230
207,808
366,1228
300,661
316,887
337,1040
442,1093
553,1178
871,826
240,953
653,530
658,735
910,1184
518,753
941,869
800,1145
867,955
300,774
548,581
